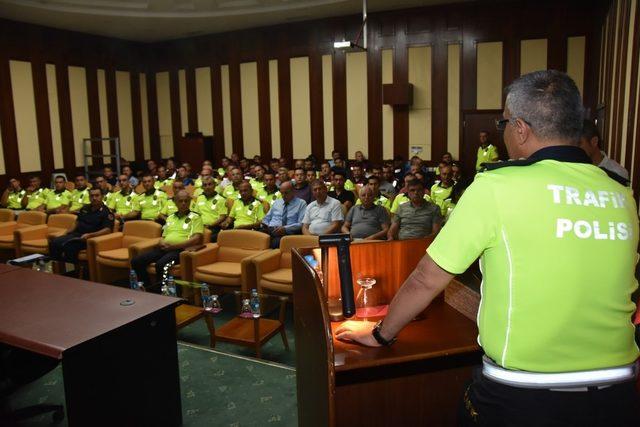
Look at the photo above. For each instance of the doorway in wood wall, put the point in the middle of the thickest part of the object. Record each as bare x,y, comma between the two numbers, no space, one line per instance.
472,123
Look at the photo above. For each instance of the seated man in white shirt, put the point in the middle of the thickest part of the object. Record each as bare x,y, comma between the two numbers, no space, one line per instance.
590,142
323,215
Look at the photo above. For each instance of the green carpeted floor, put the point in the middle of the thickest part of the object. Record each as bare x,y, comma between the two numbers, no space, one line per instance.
217,389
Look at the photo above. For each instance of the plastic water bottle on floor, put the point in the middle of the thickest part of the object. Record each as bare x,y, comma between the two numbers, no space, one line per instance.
36,266
133,279
141,287
255,303
245,311
205,295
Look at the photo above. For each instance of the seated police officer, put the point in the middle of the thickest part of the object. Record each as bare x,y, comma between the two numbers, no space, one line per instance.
58,199
152,200
93,220
211,206
182,230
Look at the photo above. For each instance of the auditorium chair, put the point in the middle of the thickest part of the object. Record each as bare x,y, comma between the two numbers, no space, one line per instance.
25,219
112,253
227,263
183,269
7,215
273,268
35,239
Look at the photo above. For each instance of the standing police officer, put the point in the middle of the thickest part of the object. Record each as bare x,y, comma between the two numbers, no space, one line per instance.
557,239
93,220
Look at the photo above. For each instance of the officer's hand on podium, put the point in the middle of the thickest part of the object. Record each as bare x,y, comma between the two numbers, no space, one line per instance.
359,332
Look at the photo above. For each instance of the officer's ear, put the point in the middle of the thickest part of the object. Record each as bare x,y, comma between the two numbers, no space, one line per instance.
522,131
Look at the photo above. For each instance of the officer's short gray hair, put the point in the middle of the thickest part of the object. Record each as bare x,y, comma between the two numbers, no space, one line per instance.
549,101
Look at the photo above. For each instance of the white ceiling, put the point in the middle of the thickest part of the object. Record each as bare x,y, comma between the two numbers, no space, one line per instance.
155,20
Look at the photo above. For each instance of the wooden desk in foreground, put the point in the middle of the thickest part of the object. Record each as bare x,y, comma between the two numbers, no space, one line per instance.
417,381
117,346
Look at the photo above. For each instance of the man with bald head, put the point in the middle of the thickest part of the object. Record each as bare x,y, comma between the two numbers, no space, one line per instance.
182,230
285,216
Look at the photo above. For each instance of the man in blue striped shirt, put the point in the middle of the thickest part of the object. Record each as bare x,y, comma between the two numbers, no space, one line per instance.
285,215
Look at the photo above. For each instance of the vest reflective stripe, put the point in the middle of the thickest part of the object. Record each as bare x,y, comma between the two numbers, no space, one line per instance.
525,379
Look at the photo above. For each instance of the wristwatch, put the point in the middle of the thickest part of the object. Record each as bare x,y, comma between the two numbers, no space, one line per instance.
379,338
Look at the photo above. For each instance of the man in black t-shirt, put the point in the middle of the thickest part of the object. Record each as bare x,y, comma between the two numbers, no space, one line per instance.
93,220
345,197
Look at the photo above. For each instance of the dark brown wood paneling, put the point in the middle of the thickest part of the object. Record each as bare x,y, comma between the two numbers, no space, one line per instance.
634,95
623,39
374,94
95,129
284,105
42,116
112,111
66,125
218,118
136,111
176,123
439,101
607,79
154,126
264,108
235,95
7,121
401,76
192,103
316,99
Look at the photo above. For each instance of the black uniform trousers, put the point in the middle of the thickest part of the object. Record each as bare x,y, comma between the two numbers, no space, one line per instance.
161,258
66,248
488,403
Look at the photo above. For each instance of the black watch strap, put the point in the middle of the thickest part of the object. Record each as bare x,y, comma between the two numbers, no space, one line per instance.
378,337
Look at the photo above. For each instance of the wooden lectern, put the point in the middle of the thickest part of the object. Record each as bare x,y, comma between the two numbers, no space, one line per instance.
419,380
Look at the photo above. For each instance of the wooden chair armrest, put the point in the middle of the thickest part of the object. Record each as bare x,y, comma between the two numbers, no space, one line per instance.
106,243
142,247
31,233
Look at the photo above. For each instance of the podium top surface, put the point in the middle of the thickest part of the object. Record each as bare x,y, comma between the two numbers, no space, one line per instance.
444,331
49,314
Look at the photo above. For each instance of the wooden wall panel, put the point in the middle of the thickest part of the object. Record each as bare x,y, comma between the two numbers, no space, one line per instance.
165,128
327,104
54,116
7,120
104,111
453,99
182,89
144,112
43,119
576,54
2,169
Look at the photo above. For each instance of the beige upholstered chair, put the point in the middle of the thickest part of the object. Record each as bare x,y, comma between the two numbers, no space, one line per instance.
273,268
113,252
35,239
183,268
227,263
25,219
7,215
